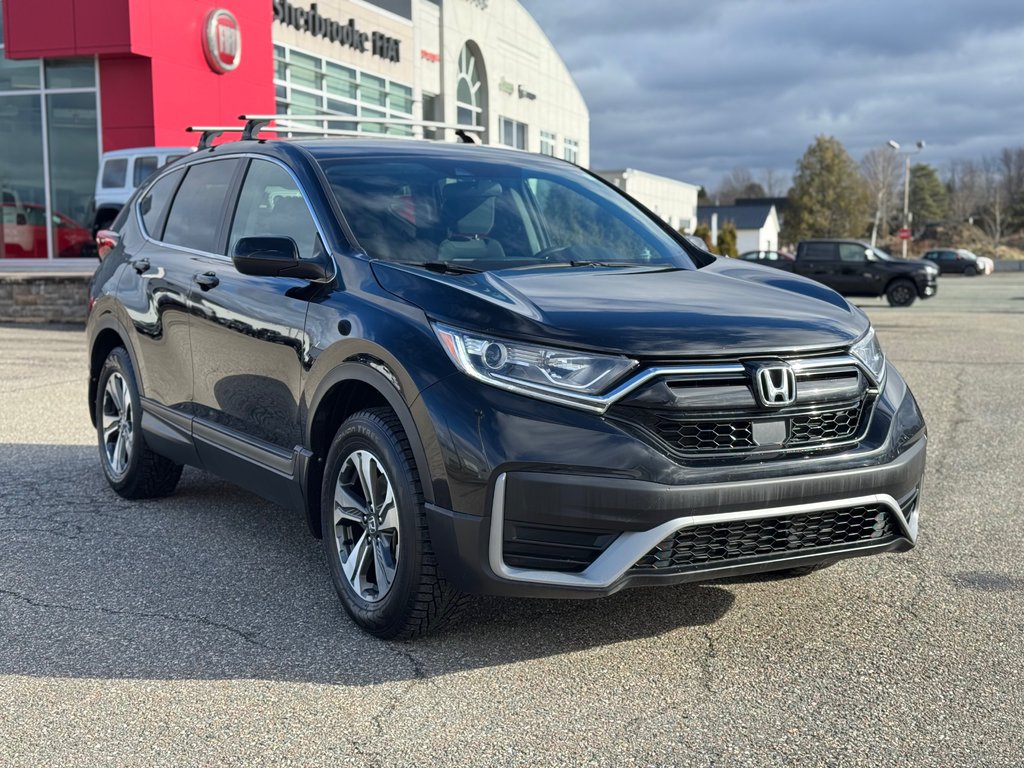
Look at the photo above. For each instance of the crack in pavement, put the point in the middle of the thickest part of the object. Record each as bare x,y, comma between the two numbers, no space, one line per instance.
200,620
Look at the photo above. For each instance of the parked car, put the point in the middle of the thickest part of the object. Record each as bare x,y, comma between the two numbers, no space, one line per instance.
24,232
958,261
121,172
475,370
767,256
854,268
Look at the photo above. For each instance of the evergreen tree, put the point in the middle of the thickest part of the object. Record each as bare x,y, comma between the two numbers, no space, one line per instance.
929,198
829,197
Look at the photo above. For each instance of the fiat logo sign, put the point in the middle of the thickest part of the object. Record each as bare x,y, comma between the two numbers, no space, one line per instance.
222,42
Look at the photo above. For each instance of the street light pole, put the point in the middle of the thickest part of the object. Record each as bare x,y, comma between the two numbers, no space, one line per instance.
906,185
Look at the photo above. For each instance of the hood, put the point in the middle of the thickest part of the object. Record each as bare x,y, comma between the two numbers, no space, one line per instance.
726,308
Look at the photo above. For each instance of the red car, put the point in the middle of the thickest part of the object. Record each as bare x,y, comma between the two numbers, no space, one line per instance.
24,232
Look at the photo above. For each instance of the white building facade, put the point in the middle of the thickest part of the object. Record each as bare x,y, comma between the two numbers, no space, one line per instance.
674,201
477,62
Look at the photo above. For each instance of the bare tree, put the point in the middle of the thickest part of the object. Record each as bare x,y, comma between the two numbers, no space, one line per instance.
1011,162
881,169
966,189
774,182
994,204
737,183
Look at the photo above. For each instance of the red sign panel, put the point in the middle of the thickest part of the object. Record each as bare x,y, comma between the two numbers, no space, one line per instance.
222,41
903,234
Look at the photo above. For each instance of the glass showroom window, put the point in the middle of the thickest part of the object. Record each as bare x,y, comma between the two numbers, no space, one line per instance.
570,150
547,143
470,93
513,133
49,156
310,85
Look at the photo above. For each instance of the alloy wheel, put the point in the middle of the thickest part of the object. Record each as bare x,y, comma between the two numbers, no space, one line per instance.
118,429
366,526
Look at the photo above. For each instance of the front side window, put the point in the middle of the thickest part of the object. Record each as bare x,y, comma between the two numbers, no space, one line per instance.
143,169
115,173
197,212
271,205
488,216
852,252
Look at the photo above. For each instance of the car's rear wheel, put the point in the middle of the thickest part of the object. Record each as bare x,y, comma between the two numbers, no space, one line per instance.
131,468
375,531
901,293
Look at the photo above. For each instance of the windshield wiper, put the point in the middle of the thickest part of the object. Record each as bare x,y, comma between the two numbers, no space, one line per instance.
442,267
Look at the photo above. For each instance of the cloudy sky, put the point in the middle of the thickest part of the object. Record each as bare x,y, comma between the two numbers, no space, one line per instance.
695,88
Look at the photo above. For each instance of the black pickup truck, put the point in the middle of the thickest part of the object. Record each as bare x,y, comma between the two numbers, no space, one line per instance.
854,268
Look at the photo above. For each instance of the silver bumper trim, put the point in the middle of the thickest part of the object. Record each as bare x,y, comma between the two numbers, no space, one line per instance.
630,546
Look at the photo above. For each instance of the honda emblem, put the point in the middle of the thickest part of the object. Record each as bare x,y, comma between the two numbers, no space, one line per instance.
776,385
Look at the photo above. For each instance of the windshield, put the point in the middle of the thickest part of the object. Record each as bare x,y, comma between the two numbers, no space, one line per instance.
883,255
478,216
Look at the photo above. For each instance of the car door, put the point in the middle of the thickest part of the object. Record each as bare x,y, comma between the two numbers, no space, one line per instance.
857,274
820,261
247,337
154,294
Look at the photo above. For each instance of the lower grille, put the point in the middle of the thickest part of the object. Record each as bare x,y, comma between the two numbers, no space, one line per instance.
742,541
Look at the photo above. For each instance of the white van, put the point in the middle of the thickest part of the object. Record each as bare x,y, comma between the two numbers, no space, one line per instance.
121,171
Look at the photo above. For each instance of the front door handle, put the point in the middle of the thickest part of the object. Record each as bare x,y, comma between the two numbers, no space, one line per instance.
207,280
140,265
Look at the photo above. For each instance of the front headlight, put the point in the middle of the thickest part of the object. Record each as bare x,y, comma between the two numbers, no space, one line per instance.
869,352
561,375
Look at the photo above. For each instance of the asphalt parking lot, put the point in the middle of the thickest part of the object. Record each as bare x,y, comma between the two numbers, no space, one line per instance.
202,629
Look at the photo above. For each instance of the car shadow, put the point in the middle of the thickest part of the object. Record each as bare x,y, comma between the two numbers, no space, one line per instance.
215,583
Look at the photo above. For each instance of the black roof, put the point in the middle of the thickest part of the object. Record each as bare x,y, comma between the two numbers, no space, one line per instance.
743,216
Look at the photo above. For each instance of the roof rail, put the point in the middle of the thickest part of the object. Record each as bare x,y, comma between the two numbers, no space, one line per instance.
257,123
211,132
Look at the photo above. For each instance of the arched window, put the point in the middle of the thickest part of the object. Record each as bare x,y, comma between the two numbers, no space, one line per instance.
471,88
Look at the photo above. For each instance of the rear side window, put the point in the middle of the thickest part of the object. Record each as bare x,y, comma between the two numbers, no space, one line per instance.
144,168
821,252
198,208
115,173
154,203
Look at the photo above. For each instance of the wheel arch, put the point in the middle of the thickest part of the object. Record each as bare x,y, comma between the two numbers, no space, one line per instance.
348,388
106,336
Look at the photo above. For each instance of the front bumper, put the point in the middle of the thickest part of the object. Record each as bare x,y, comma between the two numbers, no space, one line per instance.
635,516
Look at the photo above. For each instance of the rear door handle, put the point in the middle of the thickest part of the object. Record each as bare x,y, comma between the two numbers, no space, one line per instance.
207,280
140,265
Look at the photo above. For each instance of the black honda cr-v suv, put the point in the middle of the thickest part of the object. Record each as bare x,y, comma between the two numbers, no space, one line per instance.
480,370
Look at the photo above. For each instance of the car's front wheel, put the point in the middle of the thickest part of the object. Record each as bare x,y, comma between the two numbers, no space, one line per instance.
901,293
131,468
375,531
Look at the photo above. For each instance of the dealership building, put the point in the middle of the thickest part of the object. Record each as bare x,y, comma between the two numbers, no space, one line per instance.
80,77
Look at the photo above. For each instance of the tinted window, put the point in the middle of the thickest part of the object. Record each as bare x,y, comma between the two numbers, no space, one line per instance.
115,173
144,167
821,252
154,202
198,207
493,215
852,252
270,204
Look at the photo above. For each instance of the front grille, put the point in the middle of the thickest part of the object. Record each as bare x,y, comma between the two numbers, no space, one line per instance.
721,413
743,541
772,431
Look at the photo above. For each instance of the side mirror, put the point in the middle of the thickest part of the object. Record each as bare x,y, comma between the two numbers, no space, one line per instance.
869,255
274,257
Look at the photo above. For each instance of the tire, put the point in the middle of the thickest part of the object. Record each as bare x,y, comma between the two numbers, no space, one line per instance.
379,555
901,293
131,468
970,272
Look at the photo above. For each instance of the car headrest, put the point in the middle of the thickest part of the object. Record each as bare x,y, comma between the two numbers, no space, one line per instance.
468,207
